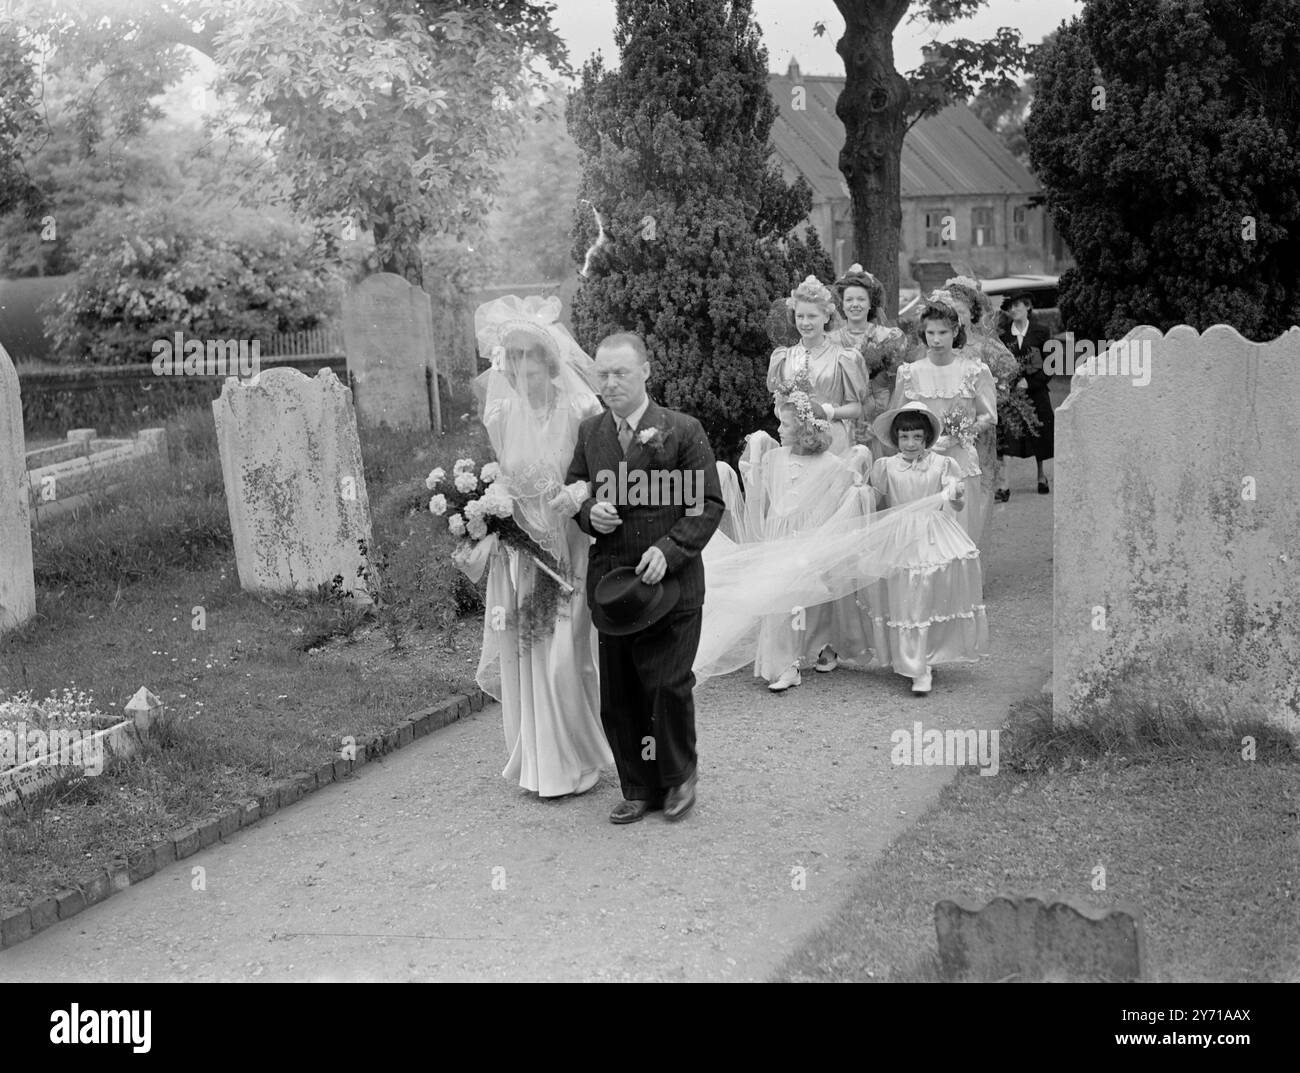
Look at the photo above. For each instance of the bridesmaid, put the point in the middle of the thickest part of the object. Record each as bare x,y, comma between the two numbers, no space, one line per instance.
975,309
948,379
836,372
862,301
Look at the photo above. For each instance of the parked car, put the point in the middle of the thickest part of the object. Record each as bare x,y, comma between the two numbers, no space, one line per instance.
1043,288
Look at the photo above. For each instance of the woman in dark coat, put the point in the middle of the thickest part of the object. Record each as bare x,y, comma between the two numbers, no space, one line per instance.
1026,341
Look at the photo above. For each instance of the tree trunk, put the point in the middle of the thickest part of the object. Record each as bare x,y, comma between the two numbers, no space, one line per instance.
400,254
872,109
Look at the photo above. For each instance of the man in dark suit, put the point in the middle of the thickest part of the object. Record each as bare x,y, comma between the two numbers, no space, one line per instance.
1026,341
656,501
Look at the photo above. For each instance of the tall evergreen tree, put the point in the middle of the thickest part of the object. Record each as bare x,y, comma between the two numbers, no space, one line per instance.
1168,139
698,219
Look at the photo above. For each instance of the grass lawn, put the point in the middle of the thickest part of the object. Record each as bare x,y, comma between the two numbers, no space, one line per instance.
266,689
1204,843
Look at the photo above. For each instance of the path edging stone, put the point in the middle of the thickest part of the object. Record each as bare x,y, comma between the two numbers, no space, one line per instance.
17,925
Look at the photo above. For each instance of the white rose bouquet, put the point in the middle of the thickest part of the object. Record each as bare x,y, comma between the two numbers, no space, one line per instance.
481,508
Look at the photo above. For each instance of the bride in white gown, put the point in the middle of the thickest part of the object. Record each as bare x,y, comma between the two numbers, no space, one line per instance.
538,655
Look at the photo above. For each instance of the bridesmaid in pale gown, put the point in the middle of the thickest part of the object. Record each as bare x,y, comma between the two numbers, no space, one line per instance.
946,380
837,374
538,655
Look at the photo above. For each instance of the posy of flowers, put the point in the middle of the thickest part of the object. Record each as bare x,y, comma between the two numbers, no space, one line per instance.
482,508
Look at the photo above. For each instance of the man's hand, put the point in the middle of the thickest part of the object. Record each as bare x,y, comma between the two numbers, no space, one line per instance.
652,566
604,517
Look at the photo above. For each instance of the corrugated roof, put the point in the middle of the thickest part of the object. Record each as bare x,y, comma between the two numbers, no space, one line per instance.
952,153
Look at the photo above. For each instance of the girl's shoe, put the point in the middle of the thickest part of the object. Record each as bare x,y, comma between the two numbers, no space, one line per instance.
827,661
1001,495
922,682
1042,488
789,678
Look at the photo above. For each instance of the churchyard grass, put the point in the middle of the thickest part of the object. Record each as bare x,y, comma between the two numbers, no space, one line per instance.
1183,826
266,688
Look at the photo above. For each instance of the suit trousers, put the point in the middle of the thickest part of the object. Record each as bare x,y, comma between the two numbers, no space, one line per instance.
645,693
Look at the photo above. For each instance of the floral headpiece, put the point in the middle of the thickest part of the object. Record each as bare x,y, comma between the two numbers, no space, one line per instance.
945,298
534,317
969,291
857,276
812,290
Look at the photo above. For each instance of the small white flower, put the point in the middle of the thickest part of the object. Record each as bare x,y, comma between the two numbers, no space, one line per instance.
431,481
463,465
457,525
477,529
647,434
438,504
490,473
466,482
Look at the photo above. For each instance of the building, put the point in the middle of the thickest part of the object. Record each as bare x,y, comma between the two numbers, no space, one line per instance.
965,198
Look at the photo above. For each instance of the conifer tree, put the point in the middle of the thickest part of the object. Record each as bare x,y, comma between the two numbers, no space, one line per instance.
698,221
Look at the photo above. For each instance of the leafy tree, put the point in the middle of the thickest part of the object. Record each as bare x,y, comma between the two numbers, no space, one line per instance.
676,160
147,272
533,240
390,116
879,105
1004,113
19,121
1168,140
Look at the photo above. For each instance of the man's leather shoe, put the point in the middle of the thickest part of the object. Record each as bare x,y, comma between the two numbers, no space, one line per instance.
680,799
628,811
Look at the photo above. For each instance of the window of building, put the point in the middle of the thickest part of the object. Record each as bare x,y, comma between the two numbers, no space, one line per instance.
981,220
1020,220
938,227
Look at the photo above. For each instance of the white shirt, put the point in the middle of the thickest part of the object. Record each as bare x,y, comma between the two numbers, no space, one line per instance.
1018,331
634,418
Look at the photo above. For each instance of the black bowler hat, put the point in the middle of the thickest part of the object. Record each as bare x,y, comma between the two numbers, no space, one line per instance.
626,604
1019,296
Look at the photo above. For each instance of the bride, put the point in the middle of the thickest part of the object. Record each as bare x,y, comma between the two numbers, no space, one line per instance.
538,644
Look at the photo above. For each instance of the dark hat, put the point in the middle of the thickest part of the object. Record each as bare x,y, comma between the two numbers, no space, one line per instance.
1018,296
625,604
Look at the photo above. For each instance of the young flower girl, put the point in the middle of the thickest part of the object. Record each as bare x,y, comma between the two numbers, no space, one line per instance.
796,489
935,598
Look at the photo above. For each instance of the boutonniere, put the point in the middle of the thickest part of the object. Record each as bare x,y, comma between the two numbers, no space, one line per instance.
651,438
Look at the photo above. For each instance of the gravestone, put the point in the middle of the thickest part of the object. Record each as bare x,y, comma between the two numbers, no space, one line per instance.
1177,524
291,462
1026,938
17,585
388,334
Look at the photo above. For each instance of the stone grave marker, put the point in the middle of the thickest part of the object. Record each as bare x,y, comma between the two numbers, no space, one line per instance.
1028,938
1177,523
295,488
17,584
388,333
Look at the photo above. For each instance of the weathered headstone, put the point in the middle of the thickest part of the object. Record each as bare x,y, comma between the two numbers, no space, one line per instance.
17,585
1026,938
1177,522
388,333
291,462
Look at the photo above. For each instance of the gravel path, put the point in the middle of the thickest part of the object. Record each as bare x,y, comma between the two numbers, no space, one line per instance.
428,866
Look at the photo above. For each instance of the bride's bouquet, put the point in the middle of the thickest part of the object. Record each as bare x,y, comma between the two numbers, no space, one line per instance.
482,516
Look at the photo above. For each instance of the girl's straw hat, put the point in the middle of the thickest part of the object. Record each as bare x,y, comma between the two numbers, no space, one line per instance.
882,426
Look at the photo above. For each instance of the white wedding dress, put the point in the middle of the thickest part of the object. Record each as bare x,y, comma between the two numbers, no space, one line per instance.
543,673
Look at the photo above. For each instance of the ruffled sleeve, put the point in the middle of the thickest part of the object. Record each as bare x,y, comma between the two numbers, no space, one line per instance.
880,477
775,369
852,376
903,392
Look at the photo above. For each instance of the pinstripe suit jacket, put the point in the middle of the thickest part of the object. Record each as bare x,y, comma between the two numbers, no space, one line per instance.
682,468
